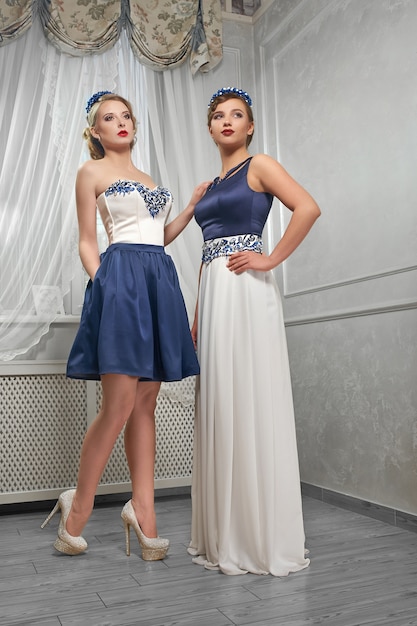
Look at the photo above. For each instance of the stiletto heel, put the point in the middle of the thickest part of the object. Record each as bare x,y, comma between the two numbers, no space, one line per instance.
65,542
50,516
153,549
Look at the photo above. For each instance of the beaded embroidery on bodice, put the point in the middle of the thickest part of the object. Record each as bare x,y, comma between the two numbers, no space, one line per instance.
134,213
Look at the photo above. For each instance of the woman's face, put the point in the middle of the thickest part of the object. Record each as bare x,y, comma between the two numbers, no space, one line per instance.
114,125
230,123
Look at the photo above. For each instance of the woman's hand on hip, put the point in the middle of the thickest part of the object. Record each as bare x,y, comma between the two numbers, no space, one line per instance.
239,262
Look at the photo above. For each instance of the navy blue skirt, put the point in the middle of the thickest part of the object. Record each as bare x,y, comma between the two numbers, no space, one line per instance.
134,319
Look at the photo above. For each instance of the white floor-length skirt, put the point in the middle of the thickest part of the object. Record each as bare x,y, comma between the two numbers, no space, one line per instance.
246,498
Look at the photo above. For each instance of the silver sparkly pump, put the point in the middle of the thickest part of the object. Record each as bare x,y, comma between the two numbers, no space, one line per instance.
153,549
65,542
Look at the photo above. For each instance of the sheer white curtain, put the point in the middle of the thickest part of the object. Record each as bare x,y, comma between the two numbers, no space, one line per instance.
42,103
36,219
184,156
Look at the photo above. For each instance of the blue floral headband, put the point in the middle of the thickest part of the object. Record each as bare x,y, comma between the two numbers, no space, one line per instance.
234,90
95,98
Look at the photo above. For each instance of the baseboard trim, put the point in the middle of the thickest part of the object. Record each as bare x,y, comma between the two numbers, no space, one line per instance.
106,499
400,519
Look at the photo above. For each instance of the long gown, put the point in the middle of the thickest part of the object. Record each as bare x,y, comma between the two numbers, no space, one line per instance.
246,497
134,319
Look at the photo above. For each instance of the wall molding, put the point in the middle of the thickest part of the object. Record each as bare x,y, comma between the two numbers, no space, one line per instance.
283,24
234,52
344,283
228,14
406,305
329,7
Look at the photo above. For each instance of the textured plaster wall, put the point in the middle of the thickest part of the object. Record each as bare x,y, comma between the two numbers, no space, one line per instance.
337,83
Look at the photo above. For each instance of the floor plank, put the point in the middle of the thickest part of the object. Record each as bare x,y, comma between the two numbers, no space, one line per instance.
363,572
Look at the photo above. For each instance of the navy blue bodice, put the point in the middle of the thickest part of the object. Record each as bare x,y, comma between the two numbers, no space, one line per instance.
232,208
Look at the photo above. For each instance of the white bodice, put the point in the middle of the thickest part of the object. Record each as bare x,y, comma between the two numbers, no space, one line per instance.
133,213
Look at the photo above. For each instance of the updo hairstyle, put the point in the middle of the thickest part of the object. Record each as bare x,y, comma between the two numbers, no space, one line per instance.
95,148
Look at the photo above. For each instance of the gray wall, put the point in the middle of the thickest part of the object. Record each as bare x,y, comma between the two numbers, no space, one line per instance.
337,80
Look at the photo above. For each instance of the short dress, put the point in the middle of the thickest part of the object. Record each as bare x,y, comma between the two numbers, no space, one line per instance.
134,319
246,496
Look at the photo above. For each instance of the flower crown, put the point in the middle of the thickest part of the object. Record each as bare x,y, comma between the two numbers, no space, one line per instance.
95,98
234,90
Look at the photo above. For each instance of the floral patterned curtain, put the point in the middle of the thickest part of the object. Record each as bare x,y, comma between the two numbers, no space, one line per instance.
162,33
15,19
80,27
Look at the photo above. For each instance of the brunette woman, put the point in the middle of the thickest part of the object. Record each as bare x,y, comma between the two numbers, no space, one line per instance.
246,500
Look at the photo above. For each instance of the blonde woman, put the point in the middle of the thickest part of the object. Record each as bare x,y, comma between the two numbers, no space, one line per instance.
134,330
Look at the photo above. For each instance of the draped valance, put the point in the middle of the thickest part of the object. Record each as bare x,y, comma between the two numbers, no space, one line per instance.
162,33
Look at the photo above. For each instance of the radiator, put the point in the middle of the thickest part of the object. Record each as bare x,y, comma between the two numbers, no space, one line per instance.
43,419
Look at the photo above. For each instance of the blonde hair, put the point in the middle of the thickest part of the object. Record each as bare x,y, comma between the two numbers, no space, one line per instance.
228,96
95,148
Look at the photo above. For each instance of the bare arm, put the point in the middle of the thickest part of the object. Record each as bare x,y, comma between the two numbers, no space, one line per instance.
86,212
174,228
269,176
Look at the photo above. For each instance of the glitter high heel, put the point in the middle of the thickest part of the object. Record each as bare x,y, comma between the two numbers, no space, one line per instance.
65,542
153,549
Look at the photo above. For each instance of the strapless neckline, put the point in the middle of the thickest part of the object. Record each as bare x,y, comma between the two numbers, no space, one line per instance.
120,182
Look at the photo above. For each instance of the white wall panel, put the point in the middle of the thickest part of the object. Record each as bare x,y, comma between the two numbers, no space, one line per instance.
337,84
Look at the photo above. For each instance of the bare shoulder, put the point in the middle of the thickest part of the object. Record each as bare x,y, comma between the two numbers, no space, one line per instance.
262,171
89,166
261,158
261,162
89,175
89,169
271,177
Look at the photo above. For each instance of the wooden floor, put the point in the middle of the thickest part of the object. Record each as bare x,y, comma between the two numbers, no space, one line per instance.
362,572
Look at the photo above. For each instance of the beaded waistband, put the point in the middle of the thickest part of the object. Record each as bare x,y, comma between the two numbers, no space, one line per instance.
225,246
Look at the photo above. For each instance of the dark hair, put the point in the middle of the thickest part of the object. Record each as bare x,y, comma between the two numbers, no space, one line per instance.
94,146
223,98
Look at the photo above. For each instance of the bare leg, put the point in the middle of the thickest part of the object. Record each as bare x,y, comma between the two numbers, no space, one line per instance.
139,439
119,395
